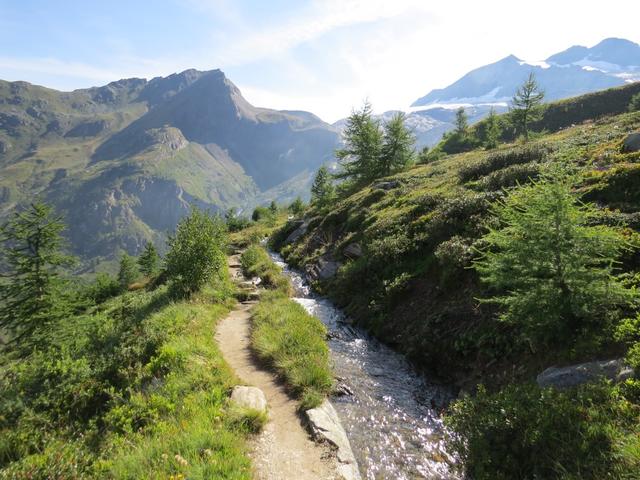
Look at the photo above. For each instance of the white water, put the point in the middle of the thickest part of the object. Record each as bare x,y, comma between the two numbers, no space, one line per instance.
392,416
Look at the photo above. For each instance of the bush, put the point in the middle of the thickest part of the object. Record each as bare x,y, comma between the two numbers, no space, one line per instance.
196,252
634,104
261,213
524,432
103,288
504,158
455,142
509,177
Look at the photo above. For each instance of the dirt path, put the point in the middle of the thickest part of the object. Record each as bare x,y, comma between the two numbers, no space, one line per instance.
283,451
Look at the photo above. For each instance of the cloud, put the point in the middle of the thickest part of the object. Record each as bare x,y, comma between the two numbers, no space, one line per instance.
318,19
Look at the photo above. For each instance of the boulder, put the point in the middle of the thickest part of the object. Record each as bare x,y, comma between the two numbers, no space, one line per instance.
353,250
249,397
326,426
387,185
299,230
565,377
631,143
324,269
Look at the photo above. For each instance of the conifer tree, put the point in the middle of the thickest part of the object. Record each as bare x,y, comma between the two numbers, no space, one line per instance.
552,270
398,146
149,261
363,139
525,105
128,272
32,290
462,122
322,189
492,130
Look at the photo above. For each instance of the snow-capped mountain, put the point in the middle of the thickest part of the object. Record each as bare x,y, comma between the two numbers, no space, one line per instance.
574,71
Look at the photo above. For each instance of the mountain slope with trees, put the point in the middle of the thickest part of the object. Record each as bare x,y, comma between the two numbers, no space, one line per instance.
490,264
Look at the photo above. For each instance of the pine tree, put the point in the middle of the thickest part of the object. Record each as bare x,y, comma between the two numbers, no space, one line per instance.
149,261
297,206
525,105
128,272
273,207
32,291
492,130
363,140
462,122
553,272
322,189
398,146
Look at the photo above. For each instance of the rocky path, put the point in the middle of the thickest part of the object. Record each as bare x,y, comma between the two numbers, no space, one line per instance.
284,450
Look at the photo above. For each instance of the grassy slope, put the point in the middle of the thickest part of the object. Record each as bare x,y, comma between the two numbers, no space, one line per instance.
285,336
135,389
412,287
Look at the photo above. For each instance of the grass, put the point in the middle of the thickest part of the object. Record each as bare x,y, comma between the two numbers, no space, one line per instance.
135,389
256,262
293,342
285,336
202,437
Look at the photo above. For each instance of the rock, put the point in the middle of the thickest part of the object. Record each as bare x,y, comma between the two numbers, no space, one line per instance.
343,390
249,397
387,185
325,426
300,230
631,143
353,250
324,269
573,375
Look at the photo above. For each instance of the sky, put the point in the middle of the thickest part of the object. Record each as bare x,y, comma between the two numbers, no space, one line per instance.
324,56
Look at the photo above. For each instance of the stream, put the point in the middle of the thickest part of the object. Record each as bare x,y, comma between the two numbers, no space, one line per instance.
389,411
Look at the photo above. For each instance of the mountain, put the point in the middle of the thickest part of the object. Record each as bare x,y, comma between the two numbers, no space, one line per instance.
123,162
573,72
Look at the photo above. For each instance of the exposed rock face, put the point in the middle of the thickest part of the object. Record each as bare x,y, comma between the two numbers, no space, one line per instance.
249,397
325,268
565,377
353,250
325,426
298,232
631,143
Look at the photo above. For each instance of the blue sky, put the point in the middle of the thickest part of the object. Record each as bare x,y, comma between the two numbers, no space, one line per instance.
325,56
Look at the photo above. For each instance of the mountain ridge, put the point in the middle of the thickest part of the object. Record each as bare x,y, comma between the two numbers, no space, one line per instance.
124,161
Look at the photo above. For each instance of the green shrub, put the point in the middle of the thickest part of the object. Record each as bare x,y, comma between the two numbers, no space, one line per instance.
524,432
196,253
634,104
103,288
509,177
501,159
247,420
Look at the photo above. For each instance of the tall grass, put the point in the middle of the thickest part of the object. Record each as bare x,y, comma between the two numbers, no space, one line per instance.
293,342
285,336
255,261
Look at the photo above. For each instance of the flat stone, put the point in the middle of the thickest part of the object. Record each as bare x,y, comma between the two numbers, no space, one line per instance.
573,375
326,426
249,397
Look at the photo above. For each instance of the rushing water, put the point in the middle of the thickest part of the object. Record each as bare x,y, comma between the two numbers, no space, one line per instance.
390,412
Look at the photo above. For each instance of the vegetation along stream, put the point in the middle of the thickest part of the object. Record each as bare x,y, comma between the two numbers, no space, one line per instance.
389,411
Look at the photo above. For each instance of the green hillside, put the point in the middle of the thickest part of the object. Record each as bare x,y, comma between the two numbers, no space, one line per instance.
404,250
